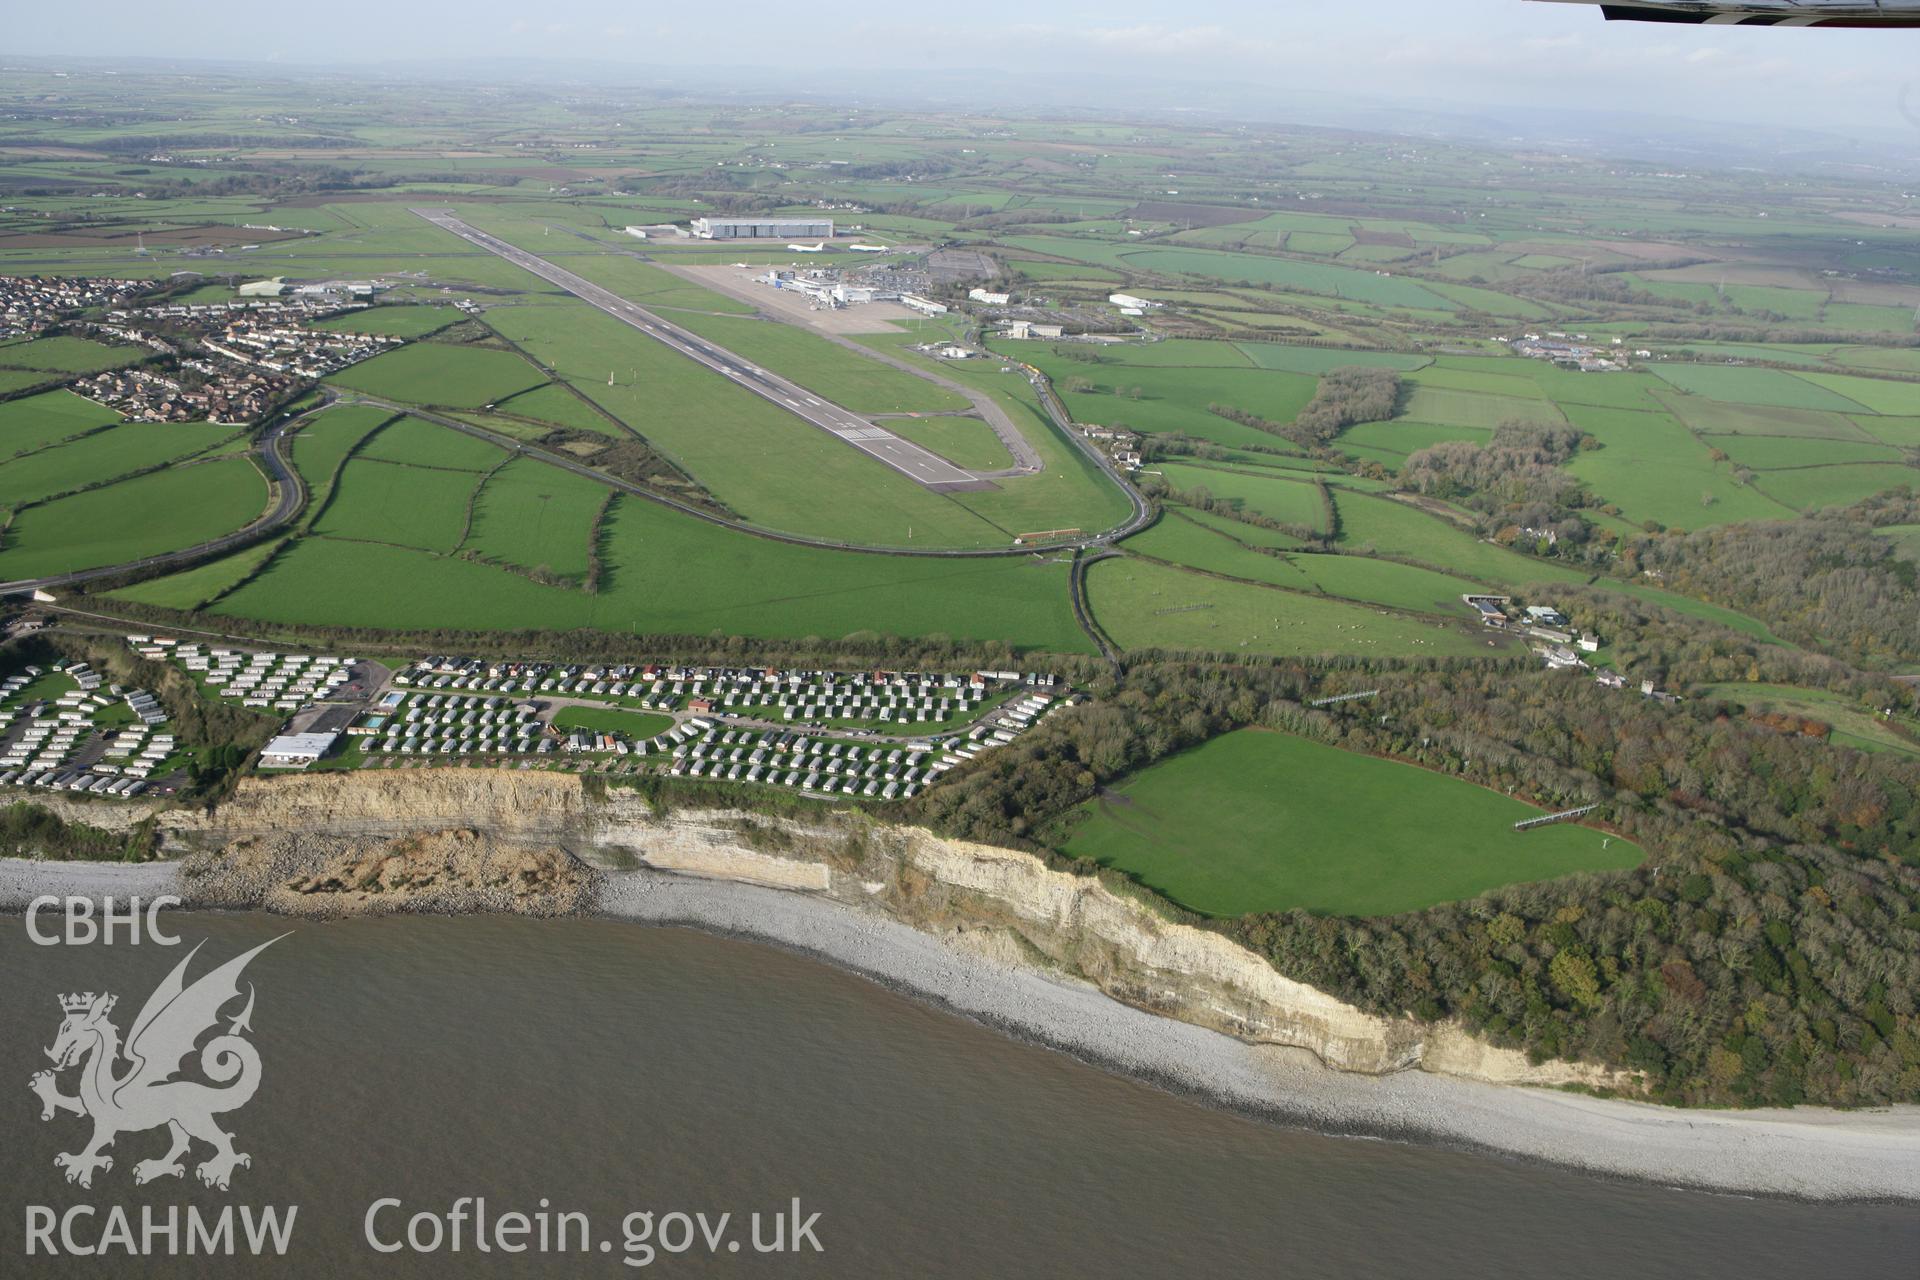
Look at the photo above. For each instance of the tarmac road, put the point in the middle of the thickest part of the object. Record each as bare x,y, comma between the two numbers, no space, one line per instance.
909,459
290,495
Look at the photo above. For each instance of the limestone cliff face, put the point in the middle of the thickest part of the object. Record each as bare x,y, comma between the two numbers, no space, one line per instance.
1001,902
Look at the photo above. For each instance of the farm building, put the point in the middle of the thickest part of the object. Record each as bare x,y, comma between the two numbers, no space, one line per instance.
763,228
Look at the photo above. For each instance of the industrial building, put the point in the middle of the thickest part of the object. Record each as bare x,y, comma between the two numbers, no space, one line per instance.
296,750
763,228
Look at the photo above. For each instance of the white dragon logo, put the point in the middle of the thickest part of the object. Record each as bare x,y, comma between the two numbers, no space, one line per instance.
146,1095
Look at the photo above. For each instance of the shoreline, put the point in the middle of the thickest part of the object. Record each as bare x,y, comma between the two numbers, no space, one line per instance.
1814,1154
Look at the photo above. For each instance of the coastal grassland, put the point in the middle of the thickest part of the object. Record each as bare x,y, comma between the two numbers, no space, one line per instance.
1853,726
1288,501
102,456
1143,605
1653,468
635,726
441,373
1747,385
65,355
417,443
401,321
536,516
34,421
667,573
160,511
389,502
1257,821
825,368
1398,530
195,588
773,468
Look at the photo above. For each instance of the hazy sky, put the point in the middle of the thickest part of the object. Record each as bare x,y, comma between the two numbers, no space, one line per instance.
1474,53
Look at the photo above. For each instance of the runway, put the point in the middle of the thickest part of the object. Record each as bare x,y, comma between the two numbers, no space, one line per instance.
917,464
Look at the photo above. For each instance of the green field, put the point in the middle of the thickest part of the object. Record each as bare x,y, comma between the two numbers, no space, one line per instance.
66,355
160,511
393,321
536,516
1288,501
825,368
634,726
408,506
439,373
669,574
752,463
195,588
417,443
1257,821
1653,468
1853,726
1755,386
322,443
1142,605
1448,406
103,455
1391,528
34,421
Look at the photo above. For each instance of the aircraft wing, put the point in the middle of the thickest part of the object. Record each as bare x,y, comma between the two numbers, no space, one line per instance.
1766,13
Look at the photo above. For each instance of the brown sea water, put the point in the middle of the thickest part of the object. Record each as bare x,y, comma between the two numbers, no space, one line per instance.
610,1067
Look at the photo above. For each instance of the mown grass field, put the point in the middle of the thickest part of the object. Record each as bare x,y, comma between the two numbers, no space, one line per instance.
1361,578
670,574
161,511
195,588
1258,821
34,421
417,443
322,443
560,406
1288,501
825,368
378,501
1142,605
440,373
1392,528
1755,386
393,321
536,516
66,355
635,726
1653,468
103,455
773,468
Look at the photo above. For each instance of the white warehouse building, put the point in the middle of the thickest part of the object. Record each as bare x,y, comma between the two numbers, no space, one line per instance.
763,228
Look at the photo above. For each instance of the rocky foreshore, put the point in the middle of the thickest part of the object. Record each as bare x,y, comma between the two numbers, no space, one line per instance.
992,934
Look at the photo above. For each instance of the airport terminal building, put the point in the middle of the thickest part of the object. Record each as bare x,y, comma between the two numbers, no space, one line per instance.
763,228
